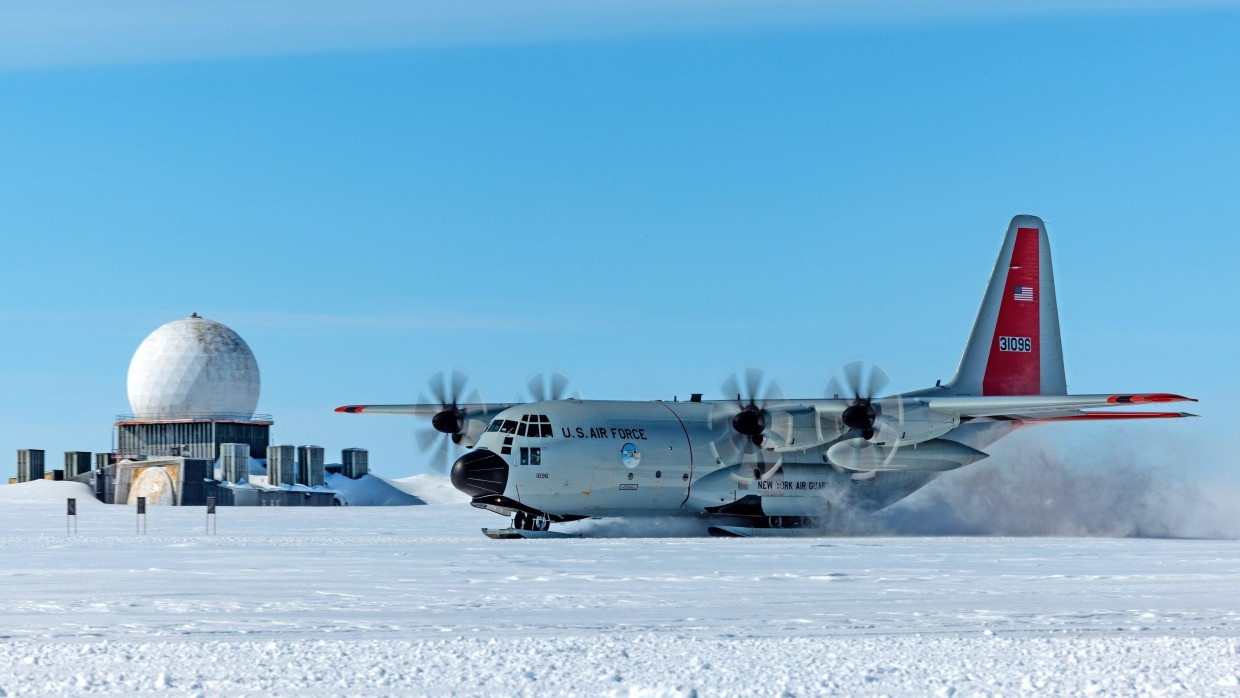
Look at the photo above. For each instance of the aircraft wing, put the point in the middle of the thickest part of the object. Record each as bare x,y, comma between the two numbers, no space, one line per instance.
471,410
1045,408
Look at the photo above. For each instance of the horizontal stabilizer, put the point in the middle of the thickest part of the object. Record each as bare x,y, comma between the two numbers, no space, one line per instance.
1031,406
1091,416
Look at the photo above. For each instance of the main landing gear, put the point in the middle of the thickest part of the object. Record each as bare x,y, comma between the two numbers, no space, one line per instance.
523,521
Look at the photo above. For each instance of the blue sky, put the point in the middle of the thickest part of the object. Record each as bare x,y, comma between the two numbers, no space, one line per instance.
643,196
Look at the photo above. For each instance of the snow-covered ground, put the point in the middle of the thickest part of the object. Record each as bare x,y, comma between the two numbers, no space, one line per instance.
414,600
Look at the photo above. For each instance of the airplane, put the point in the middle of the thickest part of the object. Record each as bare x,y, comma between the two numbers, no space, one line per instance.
757,463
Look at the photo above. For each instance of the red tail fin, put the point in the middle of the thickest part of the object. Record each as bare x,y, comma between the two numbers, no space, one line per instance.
1015,347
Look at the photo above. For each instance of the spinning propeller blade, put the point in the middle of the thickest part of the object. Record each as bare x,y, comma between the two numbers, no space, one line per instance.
546,386
440,440
745,425
862,383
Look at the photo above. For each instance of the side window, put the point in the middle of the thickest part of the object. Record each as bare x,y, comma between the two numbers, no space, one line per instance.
521,430
535,456
525,454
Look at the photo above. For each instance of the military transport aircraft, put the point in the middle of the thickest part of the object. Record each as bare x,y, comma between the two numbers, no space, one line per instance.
757,463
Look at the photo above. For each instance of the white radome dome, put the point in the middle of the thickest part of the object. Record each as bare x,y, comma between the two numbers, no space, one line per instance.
193,368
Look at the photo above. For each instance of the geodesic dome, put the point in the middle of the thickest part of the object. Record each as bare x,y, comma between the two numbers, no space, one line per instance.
193,368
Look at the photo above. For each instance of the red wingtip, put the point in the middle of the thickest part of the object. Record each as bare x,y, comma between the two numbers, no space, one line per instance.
1148,399
351,409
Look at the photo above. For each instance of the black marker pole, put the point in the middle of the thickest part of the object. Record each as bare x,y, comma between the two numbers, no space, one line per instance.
211,516
141,522
72,516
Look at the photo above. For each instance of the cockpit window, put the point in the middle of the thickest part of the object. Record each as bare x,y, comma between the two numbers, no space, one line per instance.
496,425
535,426
508,427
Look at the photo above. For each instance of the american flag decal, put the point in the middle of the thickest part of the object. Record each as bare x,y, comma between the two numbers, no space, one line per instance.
1022,293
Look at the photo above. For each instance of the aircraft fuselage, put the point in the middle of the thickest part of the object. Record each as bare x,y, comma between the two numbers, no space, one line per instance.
574,458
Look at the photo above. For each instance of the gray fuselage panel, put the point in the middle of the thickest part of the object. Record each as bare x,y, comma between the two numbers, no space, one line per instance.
604,458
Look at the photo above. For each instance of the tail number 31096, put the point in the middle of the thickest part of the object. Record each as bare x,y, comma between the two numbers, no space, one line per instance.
1022,344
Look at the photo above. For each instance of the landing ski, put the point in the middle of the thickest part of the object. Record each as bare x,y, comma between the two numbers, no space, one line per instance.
515,533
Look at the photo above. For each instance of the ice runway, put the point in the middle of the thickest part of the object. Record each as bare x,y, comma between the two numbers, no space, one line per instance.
414,600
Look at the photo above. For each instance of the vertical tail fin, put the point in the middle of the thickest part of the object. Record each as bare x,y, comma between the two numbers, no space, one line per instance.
1015,347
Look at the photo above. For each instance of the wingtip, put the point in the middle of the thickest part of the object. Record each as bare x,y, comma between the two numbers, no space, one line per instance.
1149,398
351,409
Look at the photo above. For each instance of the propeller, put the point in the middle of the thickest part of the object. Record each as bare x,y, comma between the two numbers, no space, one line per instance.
752,390
746,425
546,386
862,382
450,427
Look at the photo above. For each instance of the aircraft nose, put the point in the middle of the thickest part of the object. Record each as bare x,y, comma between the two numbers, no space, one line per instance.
480,473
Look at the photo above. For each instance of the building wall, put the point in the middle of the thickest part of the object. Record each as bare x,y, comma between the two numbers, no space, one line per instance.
243,496
296,498
200,439
273,497
105,483
354,462
223,496
226,496
189,478
29,464
310,466
76,463
281,465
235,462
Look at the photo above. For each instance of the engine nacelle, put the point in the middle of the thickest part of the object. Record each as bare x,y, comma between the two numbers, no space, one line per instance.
449,421
909,421
473,430
935,455
464,431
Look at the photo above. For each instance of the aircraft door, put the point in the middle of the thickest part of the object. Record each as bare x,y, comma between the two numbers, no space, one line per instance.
600,488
